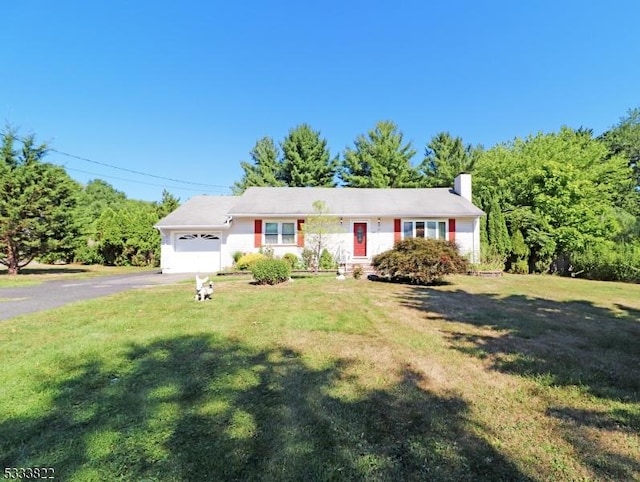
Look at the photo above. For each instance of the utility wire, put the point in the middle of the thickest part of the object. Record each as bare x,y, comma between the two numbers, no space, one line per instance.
215,188
138,182
136,172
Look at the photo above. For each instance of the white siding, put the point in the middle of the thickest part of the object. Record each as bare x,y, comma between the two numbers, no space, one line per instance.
468,238
380,237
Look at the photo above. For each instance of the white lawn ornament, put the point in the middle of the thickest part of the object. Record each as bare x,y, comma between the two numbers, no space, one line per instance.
203,292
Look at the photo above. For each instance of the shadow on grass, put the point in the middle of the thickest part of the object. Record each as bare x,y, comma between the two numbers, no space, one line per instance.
205,408
570,344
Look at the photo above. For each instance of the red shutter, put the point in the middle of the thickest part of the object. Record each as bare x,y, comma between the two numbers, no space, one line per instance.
397,233
257,233
452,230
300,233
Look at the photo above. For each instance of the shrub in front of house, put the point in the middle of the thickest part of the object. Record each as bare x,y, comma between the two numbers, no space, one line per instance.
270,271
327,261
248,260
420,261
292,260
236,256
308,258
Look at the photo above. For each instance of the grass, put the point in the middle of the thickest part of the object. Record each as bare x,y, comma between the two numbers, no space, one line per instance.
36,273
511,378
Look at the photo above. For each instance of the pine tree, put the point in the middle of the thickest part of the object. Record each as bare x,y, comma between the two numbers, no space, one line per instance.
379,160
306,161
266,169
36,205
445,158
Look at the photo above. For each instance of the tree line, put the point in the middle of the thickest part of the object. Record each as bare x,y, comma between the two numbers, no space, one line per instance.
565,201
46,215
379,159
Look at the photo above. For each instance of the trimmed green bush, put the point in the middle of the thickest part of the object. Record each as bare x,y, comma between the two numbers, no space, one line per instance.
420,261
327,261
291,259
248,260
270,271
236,256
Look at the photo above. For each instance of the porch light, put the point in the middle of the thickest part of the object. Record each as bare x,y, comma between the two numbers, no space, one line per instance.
340,221
378,222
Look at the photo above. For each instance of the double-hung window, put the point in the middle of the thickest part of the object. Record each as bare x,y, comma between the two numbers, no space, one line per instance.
279,233
424,229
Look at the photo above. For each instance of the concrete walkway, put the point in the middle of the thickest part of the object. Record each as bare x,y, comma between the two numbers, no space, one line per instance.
51,294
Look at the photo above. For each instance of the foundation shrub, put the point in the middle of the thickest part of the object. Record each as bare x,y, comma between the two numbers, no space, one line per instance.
248,260
271,271
420,261
292,260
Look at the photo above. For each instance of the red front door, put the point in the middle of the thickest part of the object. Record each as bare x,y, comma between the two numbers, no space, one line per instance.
359,239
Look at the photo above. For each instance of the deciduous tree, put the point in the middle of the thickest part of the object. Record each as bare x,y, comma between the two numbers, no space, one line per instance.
558,189
318,230
624,139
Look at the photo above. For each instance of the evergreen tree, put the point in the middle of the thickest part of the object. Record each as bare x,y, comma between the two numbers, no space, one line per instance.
497,232
167,205
445,158
126,236
379,160
36,205
266,169
306,161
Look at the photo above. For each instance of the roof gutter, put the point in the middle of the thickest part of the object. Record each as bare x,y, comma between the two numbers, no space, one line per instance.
206,227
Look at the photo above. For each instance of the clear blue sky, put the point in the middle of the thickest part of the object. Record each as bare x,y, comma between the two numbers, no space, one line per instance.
184,89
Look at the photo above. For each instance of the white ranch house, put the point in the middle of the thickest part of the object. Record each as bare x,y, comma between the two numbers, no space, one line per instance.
202,234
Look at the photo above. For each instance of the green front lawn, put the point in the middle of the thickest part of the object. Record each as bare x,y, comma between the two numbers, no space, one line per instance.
512,378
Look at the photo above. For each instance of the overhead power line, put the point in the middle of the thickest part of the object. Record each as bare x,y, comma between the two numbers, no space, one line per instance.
136,172
141,182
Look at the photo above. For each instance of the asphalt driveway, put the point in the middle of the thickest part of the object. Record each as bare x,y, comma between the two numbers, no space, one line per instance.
51,294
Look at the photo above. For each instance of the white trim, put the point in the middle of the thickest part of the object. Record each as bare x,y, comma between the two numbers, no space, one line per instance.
279,222
425,220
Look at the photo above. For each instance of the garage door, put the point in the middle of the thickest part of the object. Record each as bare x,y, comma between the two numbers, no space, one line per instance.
196,252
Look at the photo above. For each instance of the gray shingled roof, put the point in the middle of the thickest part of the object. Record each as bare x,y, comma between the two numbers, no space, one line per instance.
296,201
200,211
212,211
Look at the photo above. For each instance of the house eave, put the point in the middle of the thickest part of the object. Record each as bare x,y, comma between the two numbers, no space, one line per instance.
420,214
193,227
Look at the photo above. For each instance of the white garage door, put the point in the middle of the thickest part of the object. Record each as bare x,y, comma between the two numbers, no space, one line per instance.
196,252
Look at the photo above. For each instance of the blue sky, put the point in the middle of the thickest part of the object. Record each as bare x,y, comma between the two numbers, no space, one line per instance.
183,90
